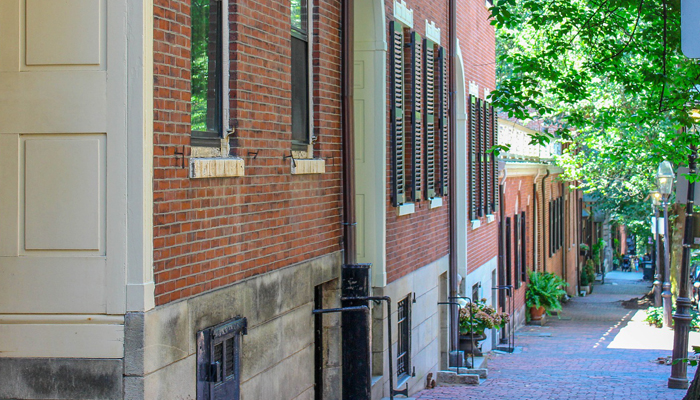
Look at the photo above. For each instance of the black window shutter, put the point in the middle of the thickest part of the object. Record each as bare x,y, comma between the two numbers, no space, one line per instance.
444,123
523,246
430,123
483,195
509,254
480,157
488,167
416,45
494,160
516,233
398,189
551,228
473,162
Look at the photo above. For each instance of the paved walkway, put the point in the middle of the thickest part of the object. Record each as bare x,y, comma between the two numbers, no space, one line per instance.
597,350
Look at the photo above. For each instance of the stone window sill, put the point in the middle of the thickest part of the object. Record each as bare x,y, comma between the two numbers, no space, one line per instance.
216,167
406,209
305,166
435,202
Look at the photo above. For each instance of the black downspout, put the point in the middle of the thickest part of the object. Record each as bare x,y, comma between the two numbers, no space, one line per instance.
452,27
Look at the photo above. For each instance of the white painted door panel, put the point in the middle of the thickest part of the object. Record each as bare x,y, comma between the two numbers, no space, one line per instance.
62,156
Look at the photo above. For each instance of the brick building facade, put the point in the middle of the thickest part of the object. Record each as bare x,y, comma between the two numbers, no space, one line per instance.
201,215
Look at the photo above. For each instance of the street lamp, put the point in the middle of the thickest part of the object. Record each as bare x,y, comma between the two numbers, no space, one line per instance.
679,370
664,182
655,203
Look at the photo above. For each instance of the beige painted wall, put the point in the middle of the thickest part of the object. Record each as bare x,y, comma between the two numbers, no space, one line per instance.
75,157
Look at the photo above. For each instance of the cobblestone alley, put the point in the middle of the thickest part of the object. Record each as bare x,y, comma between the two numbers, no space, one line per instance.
597,350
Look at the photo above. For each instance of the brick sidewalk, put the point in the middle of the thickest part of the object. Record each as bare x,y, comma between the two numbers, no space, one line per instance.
578,360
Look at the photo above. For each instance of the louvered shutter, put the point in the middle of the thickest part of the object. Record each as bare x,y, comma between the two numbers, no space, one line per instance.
509,254
516,233
483,201
488,167
397,115
430,123
417,101
444,123
494,160
523,246
473,152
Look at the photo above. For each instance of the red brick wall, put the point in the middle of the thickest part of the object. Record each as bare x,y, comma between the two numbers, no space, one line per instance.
415,240
478,46
210,233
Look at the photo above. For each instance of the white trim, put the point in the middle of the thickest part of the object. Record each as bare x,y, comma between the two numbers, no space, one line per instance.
9,319
473,88
406,209
62,340
490,218
402,13
432,32
476,223
435,202
308,166
461,189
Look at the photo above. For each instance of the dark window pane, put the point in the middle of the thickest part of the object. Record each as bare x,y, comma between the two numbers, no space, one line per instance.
300,91
206,66
299,16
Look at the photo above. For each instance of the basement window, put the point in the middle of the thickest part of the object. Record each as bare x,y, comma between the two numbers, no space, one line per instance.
403,347
219,360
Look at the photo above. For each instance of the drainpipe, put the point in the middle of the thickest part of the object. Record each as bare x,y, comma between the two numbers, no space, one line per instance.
349,221
544,217
452,27
565,251
535,214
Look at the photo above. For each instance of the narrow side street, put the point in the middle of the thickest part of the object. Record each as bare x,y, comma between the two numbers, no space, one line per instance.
597,350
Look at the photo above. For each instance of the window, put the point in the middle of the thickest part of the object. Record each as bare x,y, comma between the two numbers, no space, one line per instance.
218,360
518,254
207,74
403,347
509,254
483,167
301,93
523,247
418,116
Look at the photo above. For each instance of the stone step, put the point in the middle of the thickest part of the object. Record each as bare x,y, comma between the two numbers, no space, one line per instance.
482,372
449,378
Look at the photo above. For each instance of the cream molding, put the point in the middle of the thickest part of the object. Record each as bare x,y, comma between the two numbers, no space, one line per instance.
406,208
435,202
216,167
308,166
473,89
432,32
402,13
54,319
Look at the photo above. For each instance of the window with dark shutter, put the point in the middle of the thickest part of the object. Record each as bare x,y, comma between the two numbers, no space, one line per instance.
509,254
430,123
417,102
398,189
444,123
551,228
488,176
523,247
516,233
494,160
473,161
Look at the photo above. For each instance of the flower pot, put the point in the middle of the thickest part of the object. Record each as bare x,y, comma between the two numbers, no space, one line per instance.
586,289
471,347
536,313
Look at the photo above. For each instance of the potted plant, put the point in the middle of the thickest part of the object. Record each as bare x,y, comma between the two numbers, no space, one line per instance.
474,319
585,282
544,293
589,270
583,248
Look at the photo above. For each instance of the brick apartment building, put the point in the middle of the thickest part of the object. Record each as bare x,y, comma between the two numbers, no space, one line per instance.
541,223
179,195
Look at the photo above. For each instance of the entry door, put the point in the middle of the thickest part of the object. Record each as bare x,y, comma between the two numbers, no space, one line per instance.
62,156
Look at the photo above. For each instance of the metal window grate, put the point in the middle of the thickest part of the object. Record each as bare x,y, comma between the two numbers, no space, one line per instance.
218,360
403,358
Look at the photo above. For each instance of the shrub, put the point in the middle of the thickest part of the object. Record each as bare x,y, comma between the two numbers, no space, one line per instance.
545,290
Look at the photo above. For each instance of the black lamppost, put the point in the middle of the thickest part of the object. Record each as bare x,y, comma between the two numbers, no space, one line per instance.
655,203
664,182
679,370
